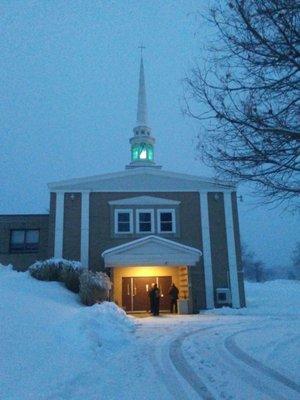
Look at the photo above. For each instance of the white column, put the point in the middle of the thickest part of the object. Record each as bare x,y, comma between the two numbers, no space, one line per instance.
85,217
59,225
234,283
208,276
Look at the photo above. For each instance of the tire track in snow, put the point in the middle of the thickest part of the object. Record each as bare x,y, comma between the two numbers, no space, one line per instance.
173,351
189,374
237,352
185,369
163,368
177,382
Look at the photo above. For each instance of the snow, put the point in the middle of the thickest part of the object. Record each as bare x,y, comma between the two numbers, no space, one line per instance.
54,348
57,262
47,337
267,298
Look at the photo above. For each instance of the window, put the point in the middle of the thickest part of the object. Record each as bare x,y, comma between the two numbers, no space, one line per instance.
142,151
144,221
166,221
123,221
150,153
24,240
135,153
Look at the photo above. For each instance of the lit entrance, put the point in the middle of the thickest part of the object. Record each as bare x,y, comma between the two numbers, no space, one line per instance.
135,292
135,265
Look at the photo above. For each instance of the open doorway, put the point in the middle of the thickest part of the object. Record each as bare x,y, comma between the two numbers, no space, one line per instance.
135,292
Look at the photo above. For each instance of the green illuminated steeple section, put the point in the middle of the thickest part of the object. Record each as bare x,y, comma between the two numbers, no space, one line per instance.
142,152
142,143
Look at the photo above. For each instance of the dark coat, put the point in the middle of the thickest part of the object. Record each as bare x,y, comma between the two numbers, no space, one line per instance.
156,294
151,294
151,298
173,292
156,297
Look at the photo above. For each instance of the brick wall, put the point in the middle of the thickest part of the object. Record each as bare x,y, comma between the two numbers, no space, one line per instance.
30,221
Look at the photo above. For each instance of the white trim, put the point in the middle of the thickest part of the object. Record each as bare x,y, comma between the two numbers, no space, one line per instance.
59,225
208,275
137,190
137,242
197,182
170,210
137,219
143,201
234,283
84,243
122,210
138,171
151,251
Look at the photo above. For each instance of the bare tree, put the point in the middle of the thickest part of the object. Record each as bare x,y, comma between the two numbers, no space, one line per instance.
254,269
296,261
247,95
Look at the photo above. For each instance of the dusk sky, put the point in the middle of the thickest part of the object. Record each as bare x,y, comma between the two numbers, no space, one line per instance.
68,90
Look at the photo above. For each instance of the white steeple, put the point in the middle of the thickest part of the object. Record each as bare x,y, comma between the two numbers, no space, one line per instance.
142,143
142,114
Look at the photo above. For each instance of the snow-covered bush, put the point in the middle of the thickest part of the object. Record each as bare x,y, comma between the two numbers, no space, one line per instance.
52,269
70,275
8,266
94,287
47,270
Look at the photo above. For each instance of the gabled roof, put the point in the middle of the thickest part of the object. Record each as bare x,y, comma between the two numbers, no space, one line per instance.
151,250
142,179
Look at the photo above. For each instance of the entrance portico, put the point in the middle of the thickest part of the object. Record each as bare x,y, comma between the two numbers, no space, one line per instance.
137,264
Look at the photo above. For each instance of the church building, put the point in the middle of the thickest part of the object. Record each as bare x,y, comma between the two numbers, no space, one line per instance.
142,225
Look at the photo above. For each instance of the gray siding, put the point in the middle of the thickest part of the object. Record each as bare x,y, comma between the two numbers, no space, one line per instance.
72,226
100,222
101,236
22,261
218,240
51,225
189,232
238,249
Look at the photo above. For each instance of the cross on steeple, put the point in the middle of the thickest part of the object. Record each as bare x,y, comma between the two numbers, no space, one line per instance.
142,48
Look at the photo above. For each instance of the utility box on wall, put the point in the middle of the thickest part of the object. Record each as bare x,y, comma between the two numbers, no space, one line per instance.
223,296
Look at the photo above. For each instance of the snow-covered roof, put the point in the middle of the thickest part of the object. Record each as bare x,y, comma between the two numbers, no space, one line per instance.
142,179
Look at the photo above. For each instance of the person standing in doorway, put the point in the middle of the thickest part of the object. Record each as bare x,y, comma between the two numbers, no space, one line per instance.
173,293
151,298
156,298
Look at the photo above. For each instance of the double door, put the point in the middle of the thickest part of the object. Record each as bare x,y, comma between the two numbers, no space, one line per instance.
135,292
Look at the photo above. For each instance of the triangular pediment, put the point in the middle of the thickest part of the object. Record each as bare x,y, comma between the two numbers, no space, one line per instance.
141,180
149,251
144,201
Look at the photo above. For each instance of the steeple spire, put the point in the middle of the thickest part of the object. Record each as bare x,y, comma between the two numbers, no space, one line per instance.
142,115
142,143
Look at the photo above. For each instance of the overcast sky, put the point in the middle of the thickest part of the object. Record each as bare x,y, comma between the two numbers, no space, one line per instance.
68,94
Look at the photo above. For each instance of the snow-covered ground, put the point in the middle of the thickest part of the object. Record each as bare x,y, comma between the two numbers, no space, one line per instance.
51,347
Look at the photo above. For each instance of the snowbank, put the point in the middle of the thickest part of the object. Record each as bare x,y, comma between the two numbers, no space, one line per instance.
268,298
47,337
101,328
54,348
